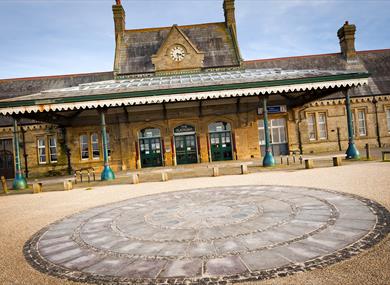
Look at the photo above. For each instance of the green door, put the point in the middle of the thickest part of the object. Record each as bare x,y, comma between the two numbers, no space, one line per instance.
150,149
186,151
221,146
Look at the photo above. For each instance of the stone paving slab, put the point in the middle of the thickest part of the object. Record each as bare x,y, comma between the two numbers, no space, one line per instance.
212,235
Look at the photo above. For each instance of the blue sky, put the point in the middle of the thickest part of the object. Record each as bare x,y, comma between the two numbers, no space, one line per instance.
50,37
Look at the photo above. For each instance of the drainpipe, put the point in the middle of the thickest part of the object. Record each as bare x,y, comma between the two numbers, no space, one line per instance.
378,134
300,144
25,155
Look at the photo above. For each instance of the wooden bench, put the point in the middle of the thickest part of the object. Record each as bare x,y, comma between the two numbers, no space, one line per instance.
384,152
88,171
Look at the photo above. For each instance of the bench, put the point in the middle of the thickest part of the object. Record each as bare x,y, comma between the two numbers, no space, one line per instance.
88,171
309,162
384,152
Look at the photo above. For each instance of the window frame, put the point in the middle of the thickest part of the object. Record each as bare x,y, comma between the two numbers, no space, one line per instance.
388,119
272,127
41,138
324,123
95,144
50,148
81,147
361,111
312,125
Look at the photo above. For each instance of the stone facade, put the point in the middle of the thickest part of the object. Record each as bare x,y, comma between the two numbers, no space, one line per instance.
318,126
124,132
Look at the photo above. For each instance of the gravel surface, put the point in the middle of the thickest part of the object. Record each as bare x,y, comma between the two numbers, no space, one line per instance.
23,215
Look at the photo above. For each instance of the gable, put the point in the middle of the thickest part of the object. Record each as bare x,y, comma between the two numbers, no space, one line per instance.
138,46
177,53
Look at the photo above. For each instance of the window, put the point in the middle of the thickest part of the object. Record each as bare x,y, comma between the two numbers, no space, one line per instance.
311,124
362,123
53,149
95,146
277,129
322,130
388,119
41,143
84,147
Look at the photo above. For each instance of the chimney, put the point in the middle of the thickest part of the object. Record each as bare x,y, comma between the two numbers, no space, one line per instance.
346,36
228,8
119,18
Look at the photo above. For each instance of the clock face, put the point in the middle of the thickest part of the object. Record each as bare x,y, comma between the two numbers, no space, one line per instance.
178,53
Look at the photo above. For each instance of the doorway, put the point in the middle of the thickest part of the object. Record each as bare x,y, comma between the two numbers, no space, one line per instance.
220,141
6,159
185,145
150,147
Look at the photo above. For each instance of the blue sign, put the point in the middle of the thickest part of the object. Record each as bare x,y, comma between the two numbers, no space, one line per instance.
274,109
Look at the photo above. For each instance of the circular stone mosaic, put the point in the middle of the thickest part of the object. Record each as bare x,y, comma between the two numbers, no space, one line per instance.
208,236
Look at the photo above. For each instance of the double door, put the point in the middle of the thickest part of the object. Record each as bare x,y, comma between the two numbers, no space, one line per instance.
221,146
151,152
6,159
186,149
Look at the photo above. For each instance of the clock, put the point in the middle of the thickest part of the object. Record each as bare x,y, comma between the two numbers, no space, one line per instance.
177,53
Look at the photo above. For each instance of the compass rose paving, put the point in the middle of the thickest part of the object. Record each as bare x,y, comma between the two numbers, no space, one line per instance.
209,236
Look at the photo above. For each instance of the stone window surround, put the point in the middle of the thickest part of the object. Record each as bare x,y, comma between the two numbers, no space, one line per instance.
271,127
355,114
387,111
90,146
46,147
316,125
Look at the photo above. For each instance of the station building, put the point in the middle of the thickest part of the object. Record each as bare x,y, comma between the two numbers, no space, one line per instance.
183,95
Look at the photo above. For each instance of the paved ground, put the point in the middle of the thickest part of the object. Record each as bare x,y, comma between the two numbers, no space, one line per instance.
303,216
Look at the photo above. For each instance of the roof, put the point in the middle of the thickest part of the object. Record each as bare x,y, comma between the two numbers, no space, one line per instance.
16,87
138,46
376,62
185,87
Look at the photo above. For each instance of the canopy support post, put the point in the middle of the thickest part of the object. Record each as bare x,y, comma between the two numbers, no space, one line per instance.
107,173
19,182
268,159
352,152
